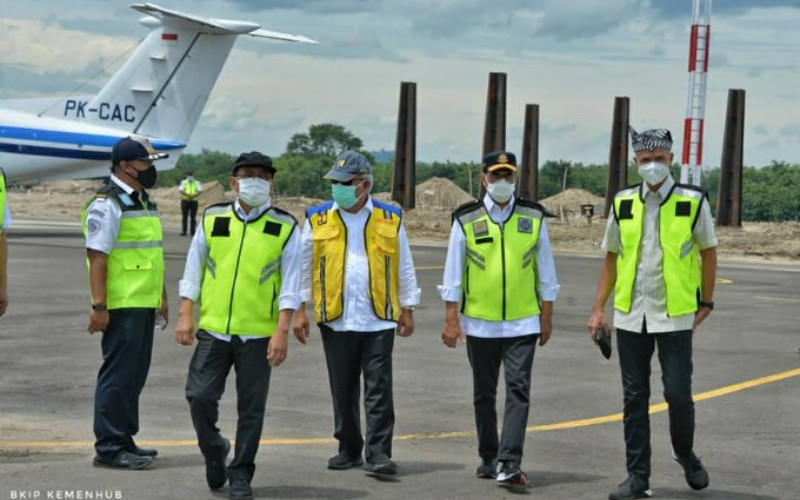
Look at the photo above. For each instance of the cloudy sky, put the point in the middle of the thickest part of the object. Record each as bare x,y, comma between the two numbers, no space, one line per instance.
572,57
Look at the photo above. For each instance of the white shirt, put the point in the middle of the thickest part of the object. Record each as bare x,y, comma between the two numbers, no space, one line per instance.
358,314
6,217
649,292
102,219
450,289
182,186
289,298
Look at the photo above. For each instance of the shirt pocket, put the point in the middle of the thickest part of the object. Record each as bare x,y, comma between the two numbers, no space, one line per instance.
385,238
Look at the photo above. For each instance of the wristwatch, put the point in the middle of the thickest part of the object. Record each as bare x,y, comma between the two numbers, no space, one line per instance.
709,304
99,307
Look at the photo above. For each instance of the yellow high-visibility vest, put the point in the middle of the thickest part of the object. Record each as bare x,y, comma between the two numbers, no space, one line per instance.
680,266
499,277
136,263
242,277
381,240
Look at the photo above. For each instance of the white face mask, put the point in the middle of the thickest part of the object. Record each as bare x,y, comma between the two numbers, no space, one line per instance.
653,173
254,191
500,190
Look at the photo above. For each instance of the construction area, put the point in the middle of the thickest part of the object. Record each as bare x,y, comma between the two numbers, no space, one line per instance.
429,223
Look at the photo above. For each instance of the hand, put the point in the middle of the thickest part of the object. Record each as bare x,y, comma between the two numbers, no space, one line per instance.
278,344
546,328
301,325
451,333
98,321
3,300
596,321
700,316
405,325
163,311
184,331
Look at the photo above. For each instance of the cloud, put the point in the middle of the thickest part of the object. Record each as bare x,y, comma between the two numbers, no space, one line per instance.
20,81
51,48
725,7
315,6
760,130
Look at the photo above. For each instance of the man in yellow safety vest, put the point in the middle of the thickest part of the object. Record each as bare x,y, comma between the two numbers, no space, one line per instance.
126,275
654,239
243,267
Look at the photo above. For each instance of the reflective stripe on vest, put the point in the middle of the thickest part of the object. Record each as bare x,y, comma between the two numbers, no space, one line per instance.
242,279
329,242
3,200
189,190
680,265
499,279
136,262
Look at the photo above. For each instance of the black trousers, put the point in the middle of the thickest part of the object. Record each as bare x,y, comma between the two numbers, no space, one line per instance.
675,356
348,355
188,210
208,371
127,346
485,357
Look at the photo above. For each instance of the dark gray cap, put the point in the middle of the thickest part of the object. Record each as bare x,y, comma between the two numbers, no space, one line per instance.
348,165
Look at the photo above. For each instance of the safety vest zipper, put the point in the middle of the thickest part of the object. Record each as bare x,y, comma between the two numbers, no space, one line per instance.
235,275
323,296
503,261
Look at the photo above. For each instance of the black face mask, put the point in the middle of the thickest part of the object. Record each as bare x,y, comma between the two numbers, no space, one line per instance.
147,178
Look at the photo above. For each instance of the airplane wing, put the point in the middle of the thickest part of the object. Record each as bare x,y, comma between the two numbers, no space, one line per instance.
275,35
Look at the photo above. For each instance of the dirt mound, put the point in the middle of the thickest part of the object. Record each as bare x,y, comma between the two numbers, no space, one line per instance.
437,194
571,201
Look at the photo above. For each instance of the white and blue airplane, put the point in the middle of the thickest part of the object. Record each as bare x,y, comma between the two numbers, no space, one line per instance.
158,93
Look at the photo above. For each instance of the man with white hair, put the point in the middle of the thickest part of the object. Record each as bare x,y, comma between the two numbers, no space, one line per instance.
358,270
661,294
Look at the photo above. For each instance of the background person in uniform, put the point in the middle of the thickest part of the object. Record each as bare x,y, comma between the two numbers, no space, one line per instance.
190,189
243,267
358,269
500,266
5,223
661,295
126,274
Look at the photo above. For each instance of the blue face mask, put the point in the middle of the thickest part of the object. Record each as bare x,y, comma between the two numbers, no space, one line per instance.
344,196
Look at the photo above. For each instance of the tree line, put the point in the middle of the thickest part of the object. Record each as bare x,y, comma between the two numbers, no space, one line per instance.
769,192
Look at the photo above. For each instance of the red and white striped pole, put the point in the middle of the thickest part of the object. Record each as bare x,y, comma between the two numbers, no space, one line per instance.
699,42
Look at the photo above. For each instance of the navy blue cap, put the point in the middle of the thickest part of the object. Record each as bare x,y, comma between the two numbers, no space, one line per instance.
348,165
253,159
134,148
497,160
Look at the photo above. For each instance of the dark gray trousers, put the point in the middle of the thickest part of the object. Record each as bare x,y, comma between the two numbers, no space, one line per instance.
485,356
127,346
208,370
675,356
348,355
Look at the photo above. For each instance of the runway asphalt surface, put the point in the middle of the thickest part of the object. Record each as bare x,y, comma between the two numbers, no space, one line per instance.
746,382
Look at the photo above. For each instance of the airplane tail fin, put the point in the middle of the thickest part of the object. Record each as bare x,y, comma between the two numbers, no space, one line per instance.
161,90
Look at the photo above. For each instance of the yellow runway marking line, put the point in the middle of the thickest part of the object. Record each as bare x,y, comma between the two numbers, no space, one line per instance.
571,424
779,299
724,281
429,268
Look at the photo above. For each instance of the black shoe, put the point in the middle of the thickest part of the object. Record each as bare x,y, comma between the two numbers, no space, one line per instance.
487,469
215,467
144,452
510,474
240,489
183,234
343,462
123,460
696,475
633,487
381,465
